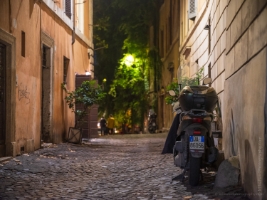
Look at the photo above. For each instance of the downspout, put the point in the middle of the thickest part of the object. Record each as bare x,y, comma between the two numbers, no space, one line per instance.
10,18
73,30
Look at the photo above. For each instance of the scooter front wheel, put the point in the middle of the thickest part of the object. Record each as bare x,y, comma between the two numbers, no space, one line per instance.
194,175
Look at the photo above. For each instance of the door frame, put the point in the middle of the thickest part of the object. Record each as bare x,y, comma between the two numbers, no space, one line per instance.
49,42
11,83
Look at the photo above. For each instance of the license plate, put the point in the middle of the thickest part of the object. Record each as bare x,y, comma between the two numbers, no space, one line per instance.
197,142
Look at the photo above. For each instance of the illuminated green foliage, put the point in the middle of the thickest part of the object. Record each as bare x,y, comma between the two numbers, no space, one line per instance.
81,99
128,62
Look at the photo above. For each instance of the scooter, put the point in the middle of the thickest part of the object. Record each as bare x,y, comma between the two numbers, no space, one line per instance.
152,125
194,147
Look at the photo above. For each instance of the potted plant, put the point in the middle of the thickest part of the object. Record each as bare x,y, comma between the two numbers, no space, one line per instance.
80,101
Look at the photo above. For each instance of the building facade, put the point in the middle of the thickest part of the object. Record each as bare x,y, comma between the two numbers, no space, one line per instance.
169,50
227,39
43,43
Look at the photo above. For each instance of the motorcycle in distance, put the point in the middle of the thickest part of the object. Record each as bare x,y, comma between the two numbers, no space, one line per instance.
194,146
152,125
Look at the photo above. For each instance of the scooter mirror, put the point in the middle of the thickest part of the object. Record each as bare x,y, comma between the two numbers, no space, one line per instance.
207,81
172,93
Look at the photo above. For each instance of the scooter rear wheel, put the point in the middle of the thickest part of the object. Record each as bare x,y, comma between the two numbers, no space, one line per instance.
194,175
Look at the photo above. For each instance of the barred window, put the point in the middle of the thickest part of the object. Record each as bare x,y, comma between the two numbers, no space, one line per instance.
192,9
68,8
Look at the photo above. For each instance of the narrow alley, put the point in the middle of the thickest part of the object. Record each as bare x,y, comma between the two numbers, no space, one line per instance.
109,167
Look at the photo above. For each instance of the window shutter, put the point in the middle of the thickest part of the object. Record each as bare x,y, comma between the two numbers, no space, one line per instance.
68,8
192,9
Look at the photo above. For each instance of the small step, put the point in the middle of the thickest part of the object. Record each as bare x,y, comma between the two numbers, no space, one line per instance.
3,159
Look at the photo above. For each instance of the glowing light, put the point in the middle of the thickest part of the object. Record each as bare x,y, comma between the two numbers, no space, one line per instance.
129,60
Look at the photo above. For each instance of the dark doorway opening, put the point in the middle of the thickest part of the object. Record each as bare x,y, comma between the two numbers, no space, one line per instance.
46,94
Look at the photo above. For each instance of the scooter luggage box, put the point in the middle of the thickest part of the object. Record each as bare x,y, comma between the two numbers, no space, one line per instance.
198,97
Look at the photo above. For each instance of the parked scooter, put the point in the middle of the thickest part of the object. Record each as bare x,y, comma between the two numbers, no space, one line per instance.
152,124
194,147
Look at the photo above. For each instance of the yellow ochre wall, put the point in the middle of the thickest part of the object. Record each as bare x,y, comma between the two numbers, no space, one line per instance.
37,19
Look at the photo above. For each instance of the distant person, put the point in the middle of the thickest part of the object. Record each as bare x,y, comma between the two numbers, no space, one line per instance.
110,125
103,125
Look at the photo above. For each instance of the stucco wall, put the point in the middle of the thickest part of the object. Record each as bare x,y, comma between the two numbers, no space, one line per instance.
169,57
245,92
27,75
244,122
79,63
42,22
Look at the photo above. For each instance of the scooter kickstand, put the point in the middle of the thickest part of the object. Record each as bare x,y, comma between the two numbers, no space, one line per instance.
180,177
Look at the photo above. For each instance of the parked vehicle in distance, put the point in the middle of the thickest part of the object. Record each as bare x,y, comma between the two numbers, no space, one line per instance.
152,123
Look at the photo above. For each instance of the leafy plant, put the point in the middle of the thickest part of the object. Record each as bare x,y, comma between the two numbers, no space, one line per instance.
183,82
82,98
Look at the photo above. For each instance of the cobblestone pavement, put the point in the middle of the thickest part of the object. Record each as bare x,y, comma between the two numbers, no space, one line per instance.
110,167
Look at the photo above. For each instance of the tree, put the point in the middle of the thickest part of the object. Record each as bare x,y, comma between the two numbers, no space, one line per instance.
124,27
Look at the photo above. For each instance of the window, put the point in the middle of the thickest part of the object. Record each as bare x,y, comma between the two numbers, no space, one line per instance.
22,43
66,62
192,9
45,57
68,8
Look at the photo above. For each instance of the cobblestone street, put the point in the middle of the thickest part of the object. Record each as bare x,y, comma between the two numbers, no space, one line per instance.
109,167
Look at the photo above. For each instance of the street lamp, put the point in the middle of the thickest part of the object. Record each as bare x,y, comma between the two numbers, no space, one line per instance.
129,60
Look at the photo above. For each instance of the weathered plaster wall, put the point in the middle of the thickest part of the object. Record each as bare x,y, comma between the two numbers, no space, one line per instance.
26,17
44,19
245,91
169,57
77,53
244,120
4,19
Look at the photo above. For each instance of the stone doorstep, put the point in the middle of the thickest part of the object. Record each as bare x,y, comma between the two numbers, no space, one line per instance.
3,159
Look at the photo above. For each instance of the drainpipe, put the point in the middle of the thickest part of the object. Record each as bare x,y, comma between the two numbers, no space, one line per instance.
73,30
91,22
10,18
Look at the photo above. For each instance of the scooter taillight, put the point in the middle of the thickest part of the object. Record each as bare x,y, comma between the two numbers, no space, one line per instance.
197,132
197,120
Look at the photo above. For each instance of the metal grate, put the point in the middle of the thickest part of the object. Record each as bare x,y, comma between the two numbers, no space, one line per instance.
192,6
68,8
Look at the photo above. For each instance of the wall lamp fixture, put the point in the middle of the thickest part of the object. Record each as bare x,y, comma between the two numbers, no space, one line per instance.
207,27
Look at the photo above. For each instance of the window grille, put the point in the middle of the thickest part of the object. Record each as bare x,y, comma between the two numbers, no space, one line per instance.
192,9
68,8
